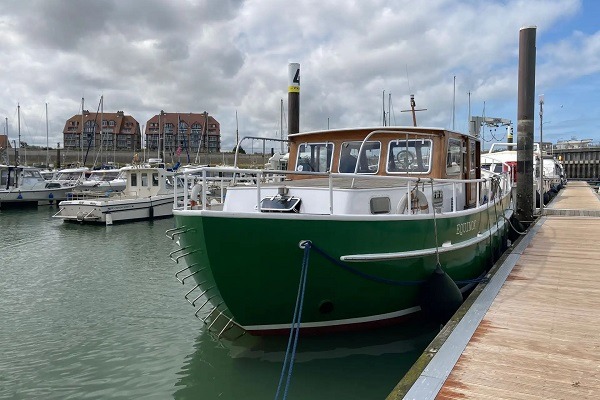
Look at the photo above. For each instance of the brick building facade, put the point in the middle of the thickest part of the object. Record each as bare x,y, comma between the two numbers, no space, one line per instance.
119,131
184,131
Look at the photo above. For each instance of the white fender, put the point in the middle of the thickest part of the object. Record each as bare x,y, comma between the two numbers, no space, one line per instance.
195,195
420,205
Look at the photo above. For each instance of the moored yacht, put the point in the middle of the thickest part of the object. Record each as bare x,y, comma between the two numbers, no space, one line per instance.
381,208
148,194
25,186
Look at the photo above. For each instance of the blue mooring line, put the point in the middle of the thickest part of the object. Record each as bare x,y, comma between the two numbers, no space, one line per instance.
295,329
290,352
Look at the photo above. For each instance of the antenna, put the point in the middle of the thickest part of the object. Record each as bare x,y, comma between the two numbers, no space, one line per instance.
413,109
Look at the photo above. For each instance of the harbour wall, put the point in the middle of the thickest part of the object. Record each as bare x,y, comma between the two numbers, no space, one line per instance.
37,157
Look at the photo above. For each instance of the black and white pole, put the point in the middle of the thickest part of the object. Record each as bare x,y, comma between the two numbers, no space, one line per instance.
293,98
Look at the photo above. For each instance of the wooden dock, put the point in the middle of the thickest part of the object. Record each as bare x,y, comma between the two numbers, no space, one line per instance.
534,330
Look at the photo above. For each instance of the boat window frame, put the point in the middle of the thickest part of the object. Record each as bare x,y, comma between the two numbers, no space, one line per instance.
329,154
452,170
133,179
409,171
144,179
155,180
359,143
380,205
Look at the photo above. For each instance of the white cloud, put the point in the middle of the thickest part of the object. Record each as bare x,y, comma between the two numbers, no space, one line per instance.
223,56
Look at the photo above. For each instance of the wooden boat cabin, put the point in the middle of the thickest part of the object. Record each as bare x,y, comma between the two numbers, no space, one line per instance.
389,151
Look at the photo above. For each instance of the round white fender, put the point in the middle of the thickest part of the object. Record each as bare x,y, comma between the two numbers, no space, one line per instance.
420,205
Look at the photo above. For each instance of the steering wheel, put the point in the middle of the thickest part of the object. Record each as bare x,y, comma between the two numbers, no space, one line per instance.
405,159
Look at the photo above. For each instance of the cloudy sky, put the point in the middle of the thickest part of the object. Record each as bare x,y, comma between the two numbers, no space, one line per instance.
224,56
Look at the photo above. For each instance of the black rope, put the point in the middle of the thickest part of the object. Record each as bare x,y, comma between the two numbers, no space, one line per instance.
380,279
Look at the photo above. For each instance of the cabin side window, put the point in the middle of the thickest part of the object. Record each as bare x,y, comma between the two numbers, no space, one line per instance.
413,156
314,157
3,177
133,179
369,159
473,156
144,179
454,157
155,179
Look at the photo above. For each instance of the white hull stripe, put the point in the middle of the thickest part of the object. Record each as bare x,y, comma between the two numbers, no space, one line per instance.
425,252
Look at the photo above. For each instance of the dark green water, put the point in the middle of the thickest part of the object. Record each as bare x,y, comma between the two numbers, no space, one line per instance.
94,312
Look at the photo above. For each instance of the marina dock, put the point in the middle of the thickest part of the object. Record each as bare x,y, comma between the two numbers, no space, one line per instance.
532,331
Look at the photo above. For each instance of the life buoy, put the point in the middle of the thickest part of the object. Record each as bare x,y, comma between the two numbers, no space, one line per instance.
419,205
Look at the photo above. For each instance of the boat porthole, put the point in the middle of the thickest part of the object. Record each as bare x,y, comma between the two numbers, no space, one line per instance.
326,307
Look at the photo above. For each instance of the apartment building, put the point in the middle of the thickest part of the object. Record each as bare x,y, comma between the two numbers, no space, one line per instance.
190,132
119,131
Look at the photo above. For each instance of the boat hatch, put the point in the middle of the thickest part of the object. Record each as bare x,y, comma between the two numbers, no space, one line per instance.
284,204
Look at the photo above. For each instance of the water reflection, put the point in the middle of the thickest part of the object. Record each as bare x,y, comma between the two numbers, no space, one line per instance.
355,365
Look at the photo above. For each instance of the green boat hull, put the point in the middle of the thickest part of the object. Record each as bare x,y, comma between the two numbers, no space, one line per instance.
249,266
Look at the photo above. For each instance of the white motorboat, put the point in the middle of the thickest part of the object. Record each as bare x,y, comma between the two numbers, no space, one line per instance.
104,181
72,177
25,186
148,194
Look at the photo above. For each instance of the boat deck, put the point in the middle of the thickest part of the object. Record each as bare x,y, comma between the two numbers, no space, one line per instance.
532,333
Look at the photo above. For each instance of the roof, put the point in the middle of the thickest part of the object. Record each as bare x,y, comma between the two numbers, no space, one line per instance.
188,118
119,118
409,129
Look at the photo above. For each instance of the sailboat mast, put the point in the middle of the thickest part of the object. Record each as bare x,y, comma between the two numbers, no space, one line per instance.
237,134
454,102
383,107
19,124
47,148
389,109
81,137
281,125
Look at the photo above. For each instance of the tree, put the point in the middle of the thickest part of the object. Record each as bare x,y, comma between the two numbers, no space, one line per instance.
241,151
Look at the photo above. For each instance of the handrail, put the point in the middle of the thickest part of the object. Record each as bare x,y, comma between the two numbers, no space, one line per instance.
259,174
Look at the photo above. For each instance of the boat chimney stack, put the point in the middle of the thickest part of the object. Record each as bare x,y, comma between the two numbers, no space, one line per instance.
293,98
525,118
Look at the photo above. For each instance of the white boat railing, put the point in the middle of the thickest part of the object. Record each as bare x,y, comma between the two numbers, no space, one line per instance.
256,177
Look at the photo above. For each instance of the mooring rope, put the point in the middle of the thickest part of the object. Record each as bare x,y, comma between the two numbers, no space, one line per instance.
363,274
295,328
379,279
437,251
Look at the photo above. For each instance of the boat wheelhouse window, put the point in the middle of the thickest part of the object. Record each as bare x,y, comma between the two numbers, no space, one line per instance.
155,179
380,205
314,157
133,179
144,179
369,159
412,156
454,157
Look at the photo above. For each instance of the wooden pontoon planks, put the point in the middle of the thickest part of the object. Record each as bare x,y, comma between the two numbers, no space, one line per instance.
540,339
576,196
